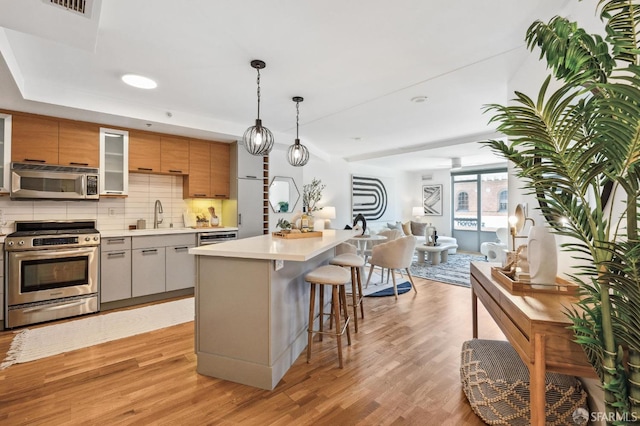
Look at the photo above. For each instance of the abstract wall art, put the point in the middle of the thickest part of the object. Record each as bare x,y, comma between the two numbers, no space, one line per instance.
370,196
432,200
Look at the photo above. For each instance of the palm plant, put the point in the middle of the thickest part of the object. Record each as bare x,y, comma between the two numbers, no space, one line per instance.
577,148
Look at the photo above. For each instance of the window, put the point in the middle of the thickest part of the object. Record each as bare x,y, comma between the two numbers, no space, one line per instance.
503,198
463,202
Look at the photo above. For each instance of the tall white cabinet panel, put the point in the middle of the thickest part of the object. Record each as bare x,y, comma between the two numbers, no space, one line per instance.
5,151
148,271
114,162
249,166
250,206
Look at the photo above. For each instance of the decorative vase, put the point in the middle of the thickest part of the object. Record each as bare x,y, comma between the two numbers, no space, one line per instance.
542,255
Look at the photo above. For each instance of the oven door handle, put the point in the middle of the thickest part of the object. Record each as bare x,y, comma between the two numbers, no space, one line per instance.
55,307
53,254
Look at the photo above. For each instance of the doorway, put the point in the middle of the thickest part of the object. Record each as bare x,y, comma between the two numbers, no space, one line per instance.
478,206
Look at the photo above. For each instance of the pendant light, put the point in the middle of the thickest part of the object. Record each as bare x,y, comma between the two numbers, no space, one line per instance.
298,154
258,140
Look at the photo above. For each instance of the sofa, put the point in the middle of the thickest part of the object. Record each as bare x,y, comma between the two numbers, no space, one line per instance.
419,230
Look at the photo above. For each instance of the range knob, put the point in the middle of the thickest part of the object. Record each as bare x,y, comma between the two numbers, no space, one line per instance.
10,243
95,238
21,242
87,239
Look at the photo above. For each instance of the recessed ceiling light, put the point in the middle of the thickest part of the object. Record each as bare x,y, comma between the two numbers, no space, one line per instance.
139,81
418,99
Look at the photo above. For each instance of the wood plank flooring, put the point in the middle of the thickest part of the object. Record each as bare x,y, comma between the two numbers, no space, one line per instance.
401,369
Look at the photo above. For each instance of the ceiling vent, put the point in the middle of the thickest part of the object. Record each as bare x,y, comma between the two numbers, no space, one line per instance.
82,7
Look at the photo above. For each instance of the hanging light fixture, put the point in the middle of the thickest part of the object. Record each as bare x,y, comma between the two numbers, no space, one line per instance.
298,154
258,140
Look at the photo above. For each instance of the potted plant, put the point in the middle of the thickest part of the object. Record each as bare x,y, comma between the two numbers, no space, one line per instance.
577,149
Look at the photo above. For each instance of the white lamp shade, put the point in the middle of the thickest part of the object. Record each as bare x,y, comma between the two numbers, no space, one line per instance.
327,212
417,211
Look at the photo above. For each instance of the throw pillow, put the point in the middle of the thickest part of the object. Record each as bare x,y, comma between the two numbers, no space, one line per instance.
418,228
397,225
406,228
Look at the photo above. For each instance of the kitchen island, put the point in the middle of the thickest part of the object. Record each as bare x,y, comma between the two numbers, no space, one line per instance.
252,304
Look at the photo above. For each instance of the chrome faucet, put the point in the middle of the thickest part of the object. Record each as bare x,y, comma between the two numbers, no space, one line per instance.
157,209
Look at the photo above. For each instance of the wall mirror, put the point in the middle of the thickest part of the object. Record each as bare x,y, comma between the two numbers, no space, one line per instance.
283,194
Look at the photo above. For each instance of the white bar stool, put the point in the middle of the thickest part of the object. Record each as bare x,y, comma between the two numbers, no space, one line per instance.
337,278
354,262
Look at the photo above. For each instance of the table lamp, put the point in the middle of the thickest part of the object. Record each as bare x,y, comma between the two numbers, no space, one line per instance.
326,213
417,211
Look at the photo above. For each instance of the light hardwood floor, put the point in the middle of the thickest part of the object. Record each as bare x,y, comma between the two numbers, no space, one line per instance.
402,368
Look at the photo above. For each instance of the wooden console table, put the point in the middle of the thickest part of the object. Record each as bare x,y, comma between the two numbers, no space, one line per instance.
536,326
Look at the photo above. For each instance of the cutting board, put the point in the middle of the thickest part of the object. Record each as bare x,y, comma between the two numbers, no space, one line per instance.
189,219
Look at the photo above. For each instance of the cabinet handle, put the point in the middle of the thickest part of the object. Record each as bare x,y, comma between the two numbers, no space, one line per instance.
220,195
239,219
35,160
199,195
251,177
180,248
113,240
116,253
145,169
78,164
150,251
113,192
175,171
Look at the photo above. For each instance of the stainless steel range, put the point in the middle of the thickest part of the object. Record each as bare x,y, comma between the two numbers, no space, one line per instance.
51,270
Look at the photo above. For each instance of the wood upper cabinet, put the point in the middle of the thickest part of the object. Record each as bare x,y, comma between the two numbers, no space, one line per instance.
144,152
79,144
34,139
174,155
220,173
198,183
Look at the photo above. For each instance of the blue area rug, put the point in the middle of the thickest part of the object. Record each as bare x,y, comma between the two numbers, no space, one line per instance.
454,271
402,288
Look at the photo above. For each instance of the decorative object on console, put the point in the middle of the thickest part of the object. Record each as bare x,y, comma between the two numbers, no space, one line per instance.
432,200
298,154
369,197
517,223
541,254
258,140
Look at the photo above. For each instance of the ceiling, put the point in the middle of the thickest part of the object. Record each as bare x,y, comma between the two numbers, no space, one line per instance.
358,64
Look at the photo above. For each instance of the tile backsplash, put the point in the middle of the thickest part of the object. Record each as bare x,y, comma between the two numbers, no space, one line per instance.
114,213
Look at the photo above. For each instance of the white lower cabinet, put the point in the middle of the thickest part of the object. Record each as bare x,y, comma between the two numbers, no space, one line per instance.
180,268
115,269
147,270
162,263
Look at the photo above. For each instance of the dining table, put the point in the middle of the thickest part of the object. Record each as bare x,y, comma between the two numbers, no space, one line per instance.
361,244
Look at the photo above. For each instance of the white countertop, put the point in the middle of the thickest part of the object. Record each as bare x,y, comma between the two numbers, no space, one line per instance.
275,248
162,231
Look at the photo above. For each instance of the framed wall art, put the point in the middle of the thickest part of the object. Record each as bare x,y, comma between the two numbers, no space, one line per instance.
432,200
370,196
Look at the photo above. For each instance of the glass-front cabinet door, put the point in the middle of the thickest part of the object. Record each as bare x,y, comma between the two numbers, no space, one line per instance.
5,152
114,162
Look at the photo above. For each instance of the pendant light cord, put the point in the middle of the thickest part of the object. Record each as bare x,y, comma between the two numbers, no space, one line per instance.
258,91
297,116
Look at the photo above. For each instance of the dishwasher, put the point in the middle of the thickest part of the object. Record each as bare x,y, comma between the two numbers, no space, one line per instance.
215,237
